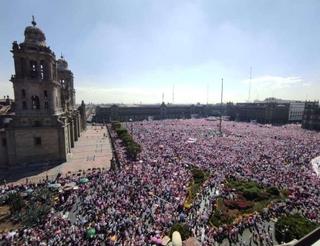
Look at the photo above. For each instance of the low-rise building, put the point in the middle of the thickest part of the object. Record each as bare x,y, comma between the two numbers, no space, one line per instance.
296,111
108,113
311,117
261,112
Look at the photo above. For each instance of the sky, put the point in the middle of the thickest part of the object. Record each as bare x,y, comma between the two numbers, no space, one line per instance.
138,51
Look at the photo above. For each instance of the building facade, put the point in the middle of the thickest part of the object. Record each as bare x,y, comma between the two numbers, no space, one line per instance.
262,112
311,117
114,112
45,123
296,111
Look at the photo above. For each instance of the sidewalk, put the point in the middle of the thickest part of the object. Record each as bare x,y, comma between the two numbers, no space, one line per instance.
92,150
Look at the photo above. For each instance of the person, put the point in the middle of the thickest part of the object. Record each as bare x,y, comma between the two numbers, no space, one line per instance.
144,198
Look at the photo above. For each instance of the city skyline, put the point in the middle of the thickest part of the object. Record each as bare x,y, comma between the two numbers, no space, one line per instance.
134,51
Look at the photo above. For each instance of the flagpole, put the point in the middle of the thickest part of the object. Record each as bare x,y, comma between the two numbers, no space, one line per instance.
220,125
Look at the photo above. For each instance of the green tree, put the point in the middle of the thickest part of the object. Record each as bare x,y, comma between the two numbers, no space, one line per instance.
35,214
183,229
273,191
289,227
115,125
15,202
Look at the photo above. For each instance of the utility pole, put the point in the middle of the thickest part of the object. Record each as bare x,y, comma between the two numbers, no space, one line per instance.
131,125
249,97
207,94
173,94
220,123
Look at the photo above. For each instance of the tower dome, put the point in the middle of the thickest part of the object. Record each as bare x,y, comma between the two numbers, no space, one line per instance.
62,63
34,35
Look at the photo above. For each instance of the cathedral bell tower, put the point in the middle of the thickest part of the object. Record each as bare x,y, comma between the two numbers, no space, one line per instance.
39,132
67,89
37,90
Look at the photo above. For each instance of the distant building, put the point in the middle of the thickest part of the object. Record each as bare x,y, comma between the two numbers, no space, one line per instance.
296,111
261,112
6,101
311,117
44,123
114,112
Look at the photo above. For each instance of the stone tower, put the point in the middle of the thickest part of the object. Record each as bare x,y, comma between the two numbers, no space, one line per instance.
66,80
46,123
36,87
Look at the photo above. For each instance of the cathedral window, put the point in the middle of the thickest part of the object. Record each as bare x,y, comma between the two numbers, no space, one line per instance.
44,74
37,141
23,93
45,93
35,102
22,66
36,123
41,72
62,82
4,142
33,71
46,105
24,105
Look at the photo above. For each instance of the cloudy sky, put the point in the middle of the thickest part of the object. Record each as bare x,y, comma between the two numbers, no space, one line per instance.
134,51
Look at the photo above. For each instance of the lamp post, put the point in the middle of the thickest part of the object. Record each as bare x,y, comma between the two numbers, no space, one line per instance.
220,121
131,126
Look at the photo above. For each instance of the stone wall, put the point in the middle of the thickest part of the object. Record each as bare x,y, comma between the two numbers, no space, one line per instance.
3,150
36,145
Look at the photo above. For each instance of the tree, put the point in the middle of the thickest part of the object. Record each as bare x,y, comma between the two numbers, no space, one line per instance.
15,202
295,226
183,229
35,214
273,191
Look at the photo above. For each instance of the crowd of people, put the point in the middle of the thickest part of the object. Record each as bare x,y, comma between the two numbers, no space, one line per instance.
140,201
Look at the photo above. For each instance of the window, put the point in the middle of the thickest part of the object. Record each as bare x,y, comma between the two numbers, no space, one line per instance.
33,69
46,105
36,123
35,102
62,82
23,93
22,66
37,141
4,142
45,94
24,105
42,70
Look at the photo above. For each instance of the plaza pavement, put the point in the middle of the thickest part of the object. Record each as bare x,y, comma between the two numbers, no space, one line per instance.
92,150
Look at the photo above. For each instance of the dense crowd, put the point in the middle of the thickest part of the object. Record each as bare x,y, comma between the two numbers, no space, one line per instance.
139,202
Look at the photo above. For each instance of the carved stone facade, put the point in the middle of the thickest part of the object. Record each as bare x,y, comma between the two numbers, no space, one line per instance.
46,123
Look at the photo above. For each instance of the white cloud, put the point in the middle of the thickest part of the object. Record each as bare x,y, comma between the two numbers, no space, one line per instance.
275,82
116,95
290,87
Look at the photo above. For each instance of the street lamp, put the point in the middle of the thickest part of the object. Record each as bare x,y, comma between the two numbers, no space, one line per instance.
131,126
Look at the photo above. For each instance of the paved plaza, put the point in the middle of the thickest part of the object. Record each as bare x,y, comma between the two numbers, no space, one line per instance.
92,150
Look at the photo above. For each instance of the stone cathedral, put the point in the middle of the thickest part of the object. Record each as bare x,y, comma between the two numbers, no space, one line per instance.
45,123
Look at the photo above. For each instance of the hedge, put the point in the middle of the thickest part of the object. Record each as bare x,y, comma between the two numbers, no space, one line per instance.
183,229
133,149
289,227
